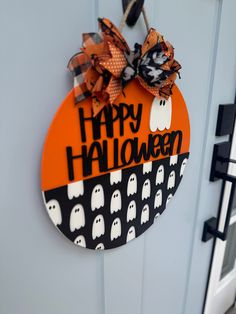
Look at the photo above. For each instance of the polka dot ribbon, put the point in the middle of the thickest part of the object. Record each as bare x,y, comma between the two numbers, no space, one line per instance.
106,64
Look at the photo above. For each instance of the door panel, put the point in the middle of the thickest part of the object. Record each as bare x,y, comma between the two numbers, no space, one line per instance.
165,270
40,271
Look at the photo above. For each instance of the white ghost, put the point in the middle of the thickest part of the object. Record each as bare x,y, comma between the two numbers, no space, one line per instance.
173,160
75,189
131,212
54,211
115,229
115,177
77,218
147,167
130,234
157,215
145,214
160,175
171,180
97,198
168,198
183,165
80,240
146,189
158,199
98,227
160,114
100,246
132,184
115,203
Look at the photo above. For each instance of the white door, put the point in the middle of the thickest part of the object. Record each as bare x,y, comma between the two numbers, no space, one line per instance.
222,281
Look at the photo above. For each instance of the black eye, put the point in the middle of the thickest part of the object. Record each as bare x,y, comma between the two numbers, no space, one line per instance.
160,102
164,102
50,207
98,190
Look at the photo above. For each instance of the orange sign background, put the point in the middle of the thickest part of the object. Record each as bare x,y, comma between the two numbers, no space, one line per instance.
65,131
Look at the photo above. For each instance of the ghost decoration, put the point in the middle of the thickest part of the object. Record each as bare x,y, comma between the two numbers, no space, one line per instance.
100,246
158,199
54,211
75,189
145,214
115,229
173,160
131,234
132,185
147,167
80,240
183,165
77,218
146,189
171,180
160,175
168,198
97,198
131,211
98,227
115,203
160,114
115,177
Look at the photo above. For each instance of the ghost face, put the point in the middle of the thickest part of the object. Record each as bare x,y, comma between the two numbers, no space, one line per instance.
131,211
168,198
132,185
115,177
77,218
115,203
115,229
97,198
54,211
75,189
158,199
98,227
171,180
130,234
183,165
100,246
80,240
173,160
160,114
145,214
147,167
160,175
146,190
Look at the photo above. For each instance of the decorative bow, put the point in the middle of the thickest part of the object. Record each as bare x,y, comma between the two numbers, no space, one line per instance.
106,64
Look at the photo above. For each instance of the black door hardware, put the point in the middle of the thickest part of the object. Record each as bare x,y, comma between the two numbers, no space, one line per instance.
219,170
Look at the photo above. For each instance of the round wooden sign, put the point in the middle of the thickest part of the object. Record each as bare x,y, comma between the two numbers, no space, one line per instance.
106,178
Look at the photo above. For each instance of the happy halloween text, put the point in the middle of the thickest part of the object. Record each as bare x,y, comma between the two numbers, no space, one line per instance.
125,153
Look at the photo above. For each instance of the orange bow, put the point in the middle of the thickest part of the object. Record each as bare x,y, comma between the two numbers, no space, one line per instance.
106,64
